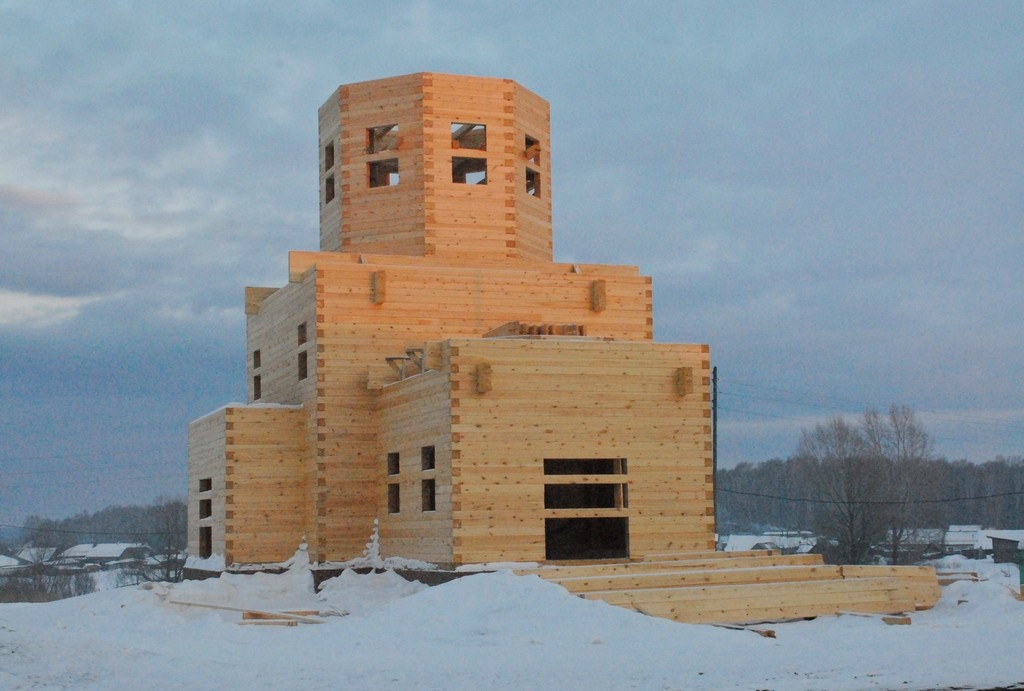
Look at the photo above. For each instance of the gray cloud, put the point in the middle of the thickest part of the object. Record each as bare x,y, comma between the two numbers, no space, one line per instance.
828,194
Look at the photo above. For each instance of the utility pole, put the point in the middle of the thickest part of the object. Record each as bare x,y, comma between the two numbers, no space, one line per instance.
714,447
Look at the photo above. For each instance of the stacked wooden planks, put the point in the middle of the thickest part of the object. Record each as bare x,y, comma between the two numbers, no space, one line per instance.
747,587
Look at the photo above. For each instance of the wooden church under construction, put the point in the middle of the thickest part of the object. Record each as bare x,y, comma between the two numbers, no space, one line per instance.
432,370
432,367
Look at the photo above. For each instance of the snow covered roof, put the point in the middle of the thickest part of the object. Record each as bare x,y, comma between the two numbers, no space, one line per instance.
36,554
962,535
1013,535
8,561
741,543
103,550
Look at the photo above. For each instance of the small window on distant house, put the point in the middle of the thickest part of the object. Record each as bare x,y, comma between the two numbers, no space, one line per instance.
429,493
469,171
394,498
427,457
257,359
393,463
532,183
328,156
382,138
469,135
205,508
382,173
257,389
205,484
329,189
303,365
301,333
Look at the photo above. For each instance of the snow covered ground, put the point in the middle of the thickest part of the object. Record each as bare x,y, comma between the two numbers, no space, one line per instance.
490,631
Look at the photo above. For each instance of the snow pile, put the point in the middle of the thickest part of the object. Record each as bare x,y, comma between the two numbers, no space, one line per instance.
494,631
372,558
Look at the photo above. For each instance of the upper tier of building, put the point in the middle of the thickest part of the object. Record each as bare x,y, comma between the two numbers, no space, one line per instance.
436,165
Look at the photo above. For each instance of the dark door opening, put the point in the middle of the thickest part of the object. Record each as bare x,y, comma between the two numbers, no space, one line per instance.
205,542
586,538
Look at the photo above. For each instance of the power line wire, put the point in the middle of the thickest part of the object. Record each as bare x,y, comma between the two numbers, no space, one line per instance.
870,502
84,532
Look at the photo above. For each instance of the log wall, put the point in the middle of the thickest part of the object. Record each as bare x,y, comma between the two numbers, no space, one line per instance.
206,447
567,398
414,414
423,301
265,513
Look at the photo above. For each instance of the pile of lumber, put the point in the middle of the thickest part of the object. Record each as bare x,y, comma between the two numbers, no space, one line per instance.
260,616
747,587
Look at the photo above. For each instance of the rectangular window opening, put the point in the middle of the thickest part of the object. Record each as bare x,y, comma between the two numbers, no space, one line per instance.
393,463
429,495
584,466
257,389
469,135
469,171
382,173
301,333
205,542
381,138
586,538
532,183
205,508
257,359
585,496
427,458
532,150
328,156
205,484
329,189
303,365
394,498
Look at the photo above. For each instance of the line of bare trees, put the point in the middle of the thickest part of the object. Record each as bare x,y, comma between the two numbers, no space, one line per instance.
868,484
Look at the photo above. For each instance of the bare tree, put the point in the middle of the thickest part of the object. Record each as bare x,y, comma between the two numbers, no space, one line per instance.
906,449
850,481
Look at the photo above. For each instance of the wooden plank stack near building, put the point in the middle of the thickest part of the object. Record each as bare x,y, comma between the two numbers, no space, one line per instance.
433,371
719,587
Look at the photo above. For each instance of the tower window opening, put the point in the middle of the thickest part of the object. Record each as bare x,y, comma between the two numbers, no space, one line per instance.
329,189
328,156
381,138
303,365
469,171
382,173
532,183
532,150
469,135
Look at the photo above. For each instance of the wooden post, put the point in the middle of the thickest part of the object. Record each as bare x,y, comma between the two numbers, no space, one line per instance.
483,378
684,381
598,296
378,287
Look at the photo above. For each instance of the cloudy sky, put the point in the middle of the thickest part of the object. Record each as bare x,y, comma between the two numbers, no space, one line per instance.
830,194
